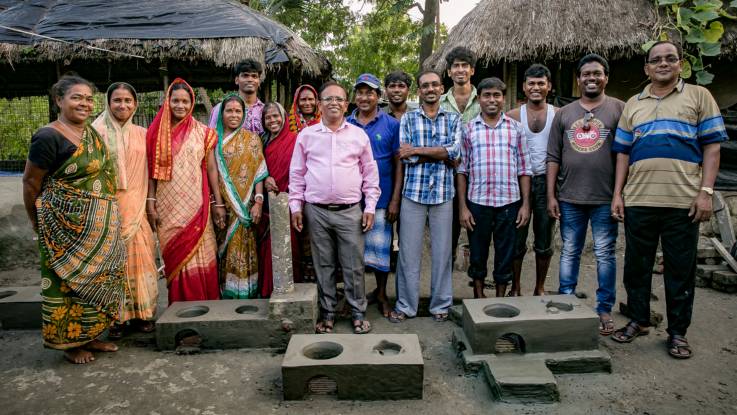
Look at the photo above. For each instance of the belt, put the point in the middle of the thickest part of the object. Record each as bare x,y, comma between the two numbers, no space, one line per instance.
334,206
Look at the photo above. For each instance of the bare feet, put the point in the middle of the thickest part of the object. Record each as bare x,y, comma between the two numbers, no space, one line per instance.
78,356
501,290
478,289
100,346
539,291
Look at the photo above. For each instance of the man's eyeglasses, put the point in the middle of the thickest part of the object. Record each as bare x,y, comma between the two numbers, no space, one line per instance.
671,59
339,100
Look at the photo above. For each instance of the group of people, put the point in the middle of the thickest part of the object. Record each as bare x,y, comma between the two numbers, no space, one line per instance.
97,192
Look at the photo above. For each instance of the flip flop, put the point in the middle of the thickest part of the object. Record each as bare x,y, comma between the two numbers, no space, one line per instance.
678,347
606,327
324,327
361,326
440,317
397,316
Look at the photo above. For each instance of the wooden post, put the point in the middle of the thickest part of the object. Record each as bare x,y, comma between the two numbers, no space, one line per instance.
721,213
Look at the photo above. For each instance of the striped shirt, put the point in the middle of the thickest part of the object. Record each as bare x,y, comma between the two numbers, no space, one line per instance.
493,158
430,183
664,138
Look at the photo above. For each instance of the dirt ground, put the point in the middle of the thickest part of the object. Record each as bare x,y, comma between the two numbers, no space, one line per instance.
141,380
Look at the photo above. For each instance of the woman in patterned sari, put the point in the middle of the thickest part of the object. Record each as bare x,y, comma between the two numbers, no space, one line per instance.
183,183
242,170
127,145
69,190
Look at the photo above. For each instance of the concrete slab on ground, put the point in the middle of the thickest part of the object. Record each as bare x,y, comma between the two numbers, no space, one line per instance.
20,307
360,367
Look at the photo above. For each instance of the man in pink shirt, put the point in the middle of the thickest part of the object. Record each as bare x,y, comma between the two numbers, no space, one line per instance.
332,170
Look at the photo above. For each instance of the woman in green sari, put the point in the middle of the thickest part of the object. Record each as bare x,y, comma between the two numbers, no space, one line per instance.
69,187
242,169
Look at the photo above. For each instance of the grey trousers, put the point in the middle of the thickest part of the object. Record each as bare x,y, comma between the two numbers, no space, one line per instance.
413,217
337,236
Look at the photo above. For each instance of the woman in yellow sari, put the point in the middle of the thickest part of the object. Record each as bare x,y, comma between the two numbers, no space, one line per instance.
242,169
69,195
127,144
183,185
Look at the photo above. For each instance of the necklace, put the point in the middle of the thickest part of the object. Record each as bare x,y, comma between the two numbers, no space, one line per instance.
76,134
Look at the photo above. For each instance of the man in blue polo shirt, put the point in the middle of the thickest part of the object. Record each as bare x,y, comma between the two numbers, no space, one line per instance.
383,132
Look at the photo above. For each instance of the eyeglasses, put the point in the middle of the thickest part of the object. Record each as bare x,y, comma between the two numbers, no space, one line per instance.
339,100
671,59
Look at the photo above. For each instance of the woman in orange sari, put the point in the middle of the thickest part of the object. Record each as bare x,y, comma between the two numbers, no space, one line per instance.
304,111
127,145
183,183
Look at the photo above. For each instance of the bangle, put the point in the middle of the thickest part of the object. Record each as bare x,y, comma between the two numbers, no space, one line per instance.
222,206
151,198
258,196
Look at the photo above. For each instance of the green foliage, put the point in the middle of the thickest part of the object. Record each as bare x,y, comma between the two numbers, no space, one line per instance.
697,24
20,119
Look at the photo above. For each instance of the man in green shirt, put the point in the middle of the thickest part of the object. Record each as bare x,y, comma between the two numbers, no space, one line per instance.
461,99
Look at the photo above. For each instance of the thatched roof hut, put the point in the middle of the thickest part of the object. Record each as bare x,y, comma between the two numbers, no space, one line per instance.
144,42
508,35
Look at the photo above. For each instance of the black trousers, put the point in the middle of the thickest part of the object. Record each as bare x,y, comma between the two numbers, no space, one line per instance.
679,238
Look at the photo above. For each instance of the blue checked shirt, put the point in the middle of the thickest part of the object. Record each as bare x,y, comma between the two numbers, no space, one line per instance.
430,183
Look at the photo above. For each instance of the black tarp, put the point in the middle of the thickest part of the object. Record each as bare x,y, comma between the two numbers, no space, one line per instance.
80,20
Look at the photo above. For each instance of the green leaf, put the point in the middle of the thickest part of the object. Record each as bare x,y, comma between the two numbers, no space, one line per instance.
714,32
667,2
696,35
706,16
733,4
647,45
710,49
663,36
704,78
686,69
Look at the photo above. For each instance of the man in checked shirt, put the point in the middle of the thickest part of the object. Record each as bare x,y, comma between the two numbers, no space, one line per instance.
429,144
493,186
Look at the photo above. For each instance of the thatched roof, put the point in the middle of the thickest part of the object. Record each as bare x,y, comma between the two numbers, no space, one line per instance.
222,32
527,30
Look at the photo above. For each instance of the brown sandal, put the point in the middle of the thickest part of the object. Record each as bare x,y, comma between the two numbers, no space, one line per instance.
678,347
628,333
324,327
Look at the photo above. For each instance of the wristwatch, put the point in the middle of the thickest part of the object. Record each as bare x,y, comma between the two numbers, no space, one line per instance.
708,190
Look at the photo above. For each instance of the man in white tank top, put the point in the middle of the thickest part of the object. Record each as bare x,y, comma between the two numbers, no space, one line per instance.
536,117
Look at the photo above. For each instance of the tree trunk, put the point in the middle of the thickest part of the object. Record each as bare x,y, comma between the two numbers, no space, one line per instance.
428,30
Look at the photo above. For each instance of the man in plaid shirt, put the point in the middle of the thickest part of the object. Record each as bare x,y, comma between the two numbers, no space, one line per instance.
429,144
493,186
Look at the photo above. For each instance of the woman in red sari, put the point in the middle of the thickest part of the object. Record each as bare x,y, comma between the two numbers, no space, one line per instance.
183,183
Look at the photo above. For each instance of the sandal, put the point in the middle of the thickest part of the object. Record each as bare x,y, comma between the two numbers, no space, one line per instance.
146,326
678,347
628,333
115,332
397,316
440,317
606,326
324,327
361,326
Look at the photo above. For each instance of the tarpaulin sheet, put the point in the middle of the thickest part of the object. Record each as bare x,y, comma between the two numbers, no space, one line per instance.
75,20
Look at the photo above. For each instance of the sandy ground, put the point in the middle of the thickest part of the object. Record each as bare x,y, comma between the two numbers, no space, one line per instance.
141,380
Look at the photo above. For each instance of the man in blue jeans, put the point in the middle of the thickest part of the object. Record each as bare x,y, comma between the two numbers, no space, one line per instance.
580,166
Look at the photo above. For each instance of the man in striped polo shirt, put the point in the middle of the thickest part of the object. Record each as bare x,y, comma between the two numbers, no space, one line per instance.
493,186
668,157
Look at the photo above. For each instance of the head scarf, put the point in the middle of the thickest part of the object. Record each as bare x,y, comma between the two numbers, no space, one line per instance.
115,135
278,149
296,121
163,140
220,125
